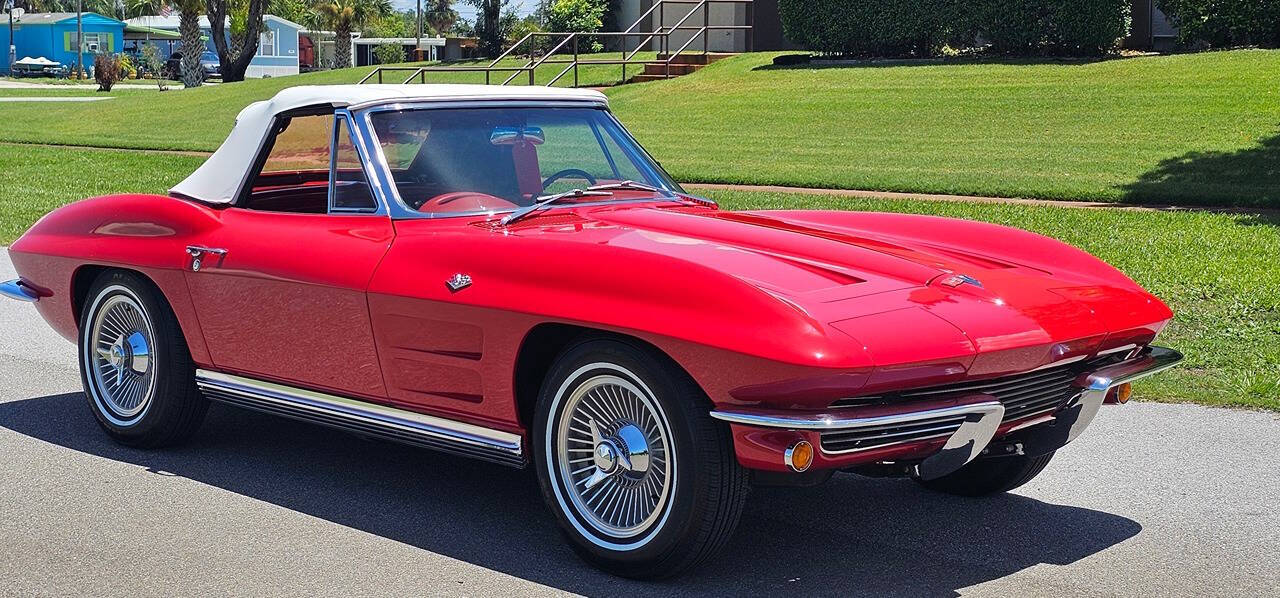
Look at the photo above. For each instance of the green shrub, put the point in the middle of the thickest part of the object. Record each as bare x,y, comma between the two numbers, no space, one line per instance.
921,27
389,53
154,65
585,16
1220,23
106,70
868,27
1056,27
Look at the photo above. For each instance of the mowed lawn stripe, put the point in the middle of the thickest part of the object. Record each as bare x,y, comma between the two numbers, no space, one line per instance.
1196,129
1135,129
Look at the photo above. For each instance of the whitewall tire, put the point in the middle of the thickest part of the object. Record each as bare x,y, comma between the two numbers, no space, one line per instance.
134,363
643,482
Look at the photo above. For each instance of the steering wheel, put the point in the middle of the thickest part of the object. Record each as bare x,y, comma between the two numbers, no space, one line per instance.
566,172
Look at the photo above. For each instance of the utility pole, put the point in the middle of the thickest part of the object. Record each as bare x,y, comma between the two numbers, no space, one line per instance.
13,49
79,38
417,49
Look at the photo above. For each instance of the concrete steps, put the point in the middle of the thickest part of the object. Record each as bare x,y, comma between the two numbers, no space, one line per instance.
682,64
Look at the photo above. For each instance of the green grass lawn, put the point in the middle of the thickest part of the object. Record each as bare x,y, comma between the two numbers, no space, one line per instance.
38,179
199,119
1217,271
63,91
1186,129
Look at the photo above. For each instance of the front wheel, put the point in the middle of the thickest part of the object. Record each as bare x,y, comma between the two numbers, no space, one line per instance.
643,481
989,476
134,363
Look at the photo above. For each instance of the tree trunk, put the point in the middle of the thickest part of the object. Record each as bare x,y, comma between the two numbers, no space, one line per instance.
491,35
342,47
189,26
234,58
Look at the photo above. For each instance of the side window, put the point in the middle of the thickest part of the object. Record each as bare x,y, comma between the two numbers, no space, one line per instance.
350,187
303,145
295,173
311,168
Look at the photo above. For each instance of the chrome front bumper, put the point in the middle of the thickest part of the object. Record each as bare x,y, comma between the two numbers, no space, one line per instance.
971,422
15,289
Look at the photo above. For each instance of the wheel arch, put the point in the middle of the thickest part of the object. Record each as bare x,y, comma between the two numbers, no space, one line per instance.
547,341
82,279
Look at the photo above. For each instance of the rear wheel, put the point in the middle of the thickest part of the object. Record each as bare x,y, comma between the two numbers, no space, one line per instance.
134,363
643,481
989,476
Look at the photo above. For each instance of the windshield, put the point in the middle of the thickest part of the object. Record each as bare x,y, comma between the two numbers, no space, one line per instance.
489,160
209,57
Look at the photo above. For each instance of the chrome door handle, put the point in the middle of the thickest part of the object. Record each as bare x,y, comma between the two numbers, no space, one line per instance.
198,254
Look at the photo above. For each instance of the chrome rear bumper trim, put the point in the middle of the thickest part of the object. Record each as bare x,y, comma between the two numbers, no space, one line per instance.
14,289
363,417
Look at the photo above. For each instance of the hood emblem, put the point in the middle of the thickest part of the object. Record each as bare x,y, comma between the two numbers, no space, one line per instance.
458,282
956,280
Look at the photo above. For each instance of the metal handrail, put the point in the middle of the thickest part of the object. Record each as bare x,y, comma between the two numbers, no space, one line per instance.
661,32
533,67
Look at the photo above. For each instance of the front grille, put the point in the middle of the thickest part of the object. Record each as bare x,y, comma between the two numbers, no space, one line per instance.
1023,395
861,439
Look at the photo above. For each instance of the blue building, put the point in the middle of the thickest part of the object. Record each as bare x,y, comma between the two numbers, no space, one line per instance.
277,44
52,35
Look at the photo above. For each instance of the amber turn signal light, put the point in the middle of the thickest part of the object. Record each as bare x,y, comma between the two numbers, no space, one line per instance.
799,456
1120,394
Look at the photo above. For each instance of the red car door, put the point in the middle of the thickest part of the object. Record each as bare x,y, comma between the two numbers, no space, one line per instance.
441,350
280,286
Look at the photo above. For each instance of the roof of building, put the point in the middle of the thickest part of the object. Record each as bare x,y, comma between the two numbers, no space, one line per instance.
174,20
404,41
50,18
218,179
140,32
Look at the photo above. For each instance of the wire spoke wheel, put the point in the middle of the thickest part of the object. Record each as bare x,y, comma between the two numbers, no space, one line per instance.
614,456
120,356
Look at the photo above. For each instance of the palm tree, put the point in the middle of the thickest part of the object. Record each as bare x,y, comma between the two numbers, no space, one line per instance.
440,15
345,16
189,12
34,6
103,7
142,8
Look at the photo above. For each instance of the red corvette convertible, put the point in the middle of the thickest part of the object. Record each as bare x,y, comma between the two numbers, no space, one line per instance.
505,274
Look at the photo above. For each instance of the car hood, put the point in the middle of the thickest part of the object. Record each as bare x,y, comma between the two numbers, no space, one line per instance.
885,280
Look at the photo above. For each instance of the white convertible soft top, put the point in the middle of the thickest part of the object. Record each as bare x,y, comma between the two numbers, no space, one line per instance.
219,178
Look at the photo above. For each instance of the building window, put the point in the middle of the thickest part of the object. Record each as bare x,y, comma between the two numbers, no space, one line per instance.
93,42
267,43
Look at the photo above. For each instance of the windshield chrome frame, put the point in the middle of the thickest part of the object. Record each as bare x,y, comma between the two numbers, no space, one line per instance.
385,185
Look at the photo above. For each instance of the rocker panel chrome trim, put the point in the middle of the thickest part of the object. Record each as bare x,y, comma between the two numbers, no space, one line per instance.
388,422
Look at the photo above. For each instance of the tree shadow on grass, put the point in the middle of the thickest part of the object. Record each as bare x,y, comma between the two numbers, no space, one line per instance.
1247,178
851,536
856,62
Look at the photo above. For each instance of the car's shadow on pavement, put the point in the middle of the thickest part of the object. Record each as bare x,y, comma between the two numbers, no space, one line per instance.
852,535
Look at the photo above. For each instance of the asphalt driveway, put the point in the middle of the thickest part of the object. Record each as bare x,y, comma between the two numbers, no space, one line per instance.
1152,500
